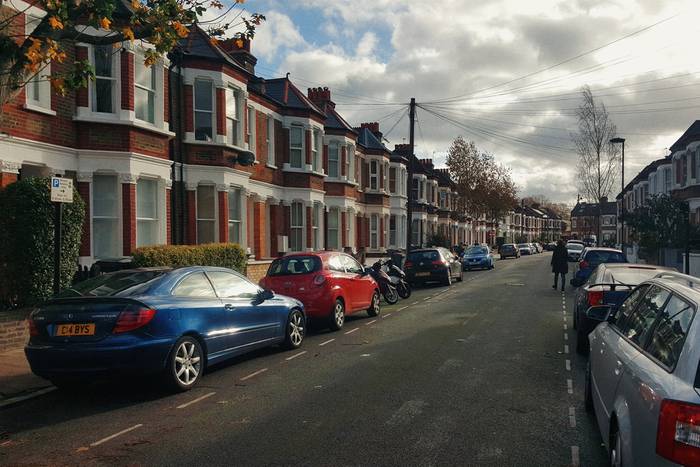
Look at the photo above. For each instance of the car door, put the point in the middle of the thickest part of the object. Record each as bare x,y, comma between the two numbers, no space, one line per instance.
649,379
201,311
363,284
249,320
606,341
450,261
343,280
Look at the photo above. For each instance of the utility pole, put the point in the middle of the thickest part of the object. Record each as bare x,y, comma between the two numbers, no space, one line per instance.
411,142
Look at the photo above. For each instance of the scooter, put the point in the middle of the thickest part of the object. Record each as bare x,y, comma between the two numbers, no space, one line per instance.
398,279
385,286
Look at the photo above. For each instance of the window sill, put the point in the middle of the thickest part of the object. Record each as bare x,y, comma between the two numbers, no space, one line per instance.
271,166
113,119
39,109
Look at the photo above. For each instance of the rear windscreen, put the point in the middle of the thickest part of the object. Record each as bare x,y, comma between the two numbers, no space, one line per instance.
630,276
294,265
122,283
605,257
431,255
477,250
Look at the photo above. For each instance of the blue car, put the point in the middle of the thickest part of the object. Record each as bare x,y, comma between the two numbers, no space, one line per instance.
174,322
591,258
477,257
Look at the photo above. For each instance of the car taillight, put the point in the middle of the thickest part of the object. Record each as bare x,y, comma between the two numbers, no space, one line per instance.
595,298
678,432
408,265
583,264
319,279
33,330
133,319
439,263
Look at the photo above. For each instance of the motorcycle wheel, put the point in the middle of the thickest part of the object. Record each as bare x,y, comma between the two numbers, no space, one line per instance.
390,295
404,289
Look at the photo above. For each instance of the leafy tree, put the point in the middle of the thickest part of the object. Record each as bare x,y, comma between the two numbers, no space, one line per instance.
24,52
438,239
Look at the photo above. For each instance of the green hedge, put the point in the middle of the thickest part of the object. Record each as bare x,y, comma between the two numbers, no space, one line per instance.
27,239
227,255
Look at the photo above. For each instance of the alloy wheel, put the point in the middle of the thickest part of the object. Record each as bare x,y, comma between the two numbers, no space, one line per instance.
339,314
296,329
188,363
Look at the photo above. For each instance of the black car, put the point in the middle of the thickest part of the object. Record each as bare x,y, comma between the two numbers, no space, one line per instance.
433,265
508,250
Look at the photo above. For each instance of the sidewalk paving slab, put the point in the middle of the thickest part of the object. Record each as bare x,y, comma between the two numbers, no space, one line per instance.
17,382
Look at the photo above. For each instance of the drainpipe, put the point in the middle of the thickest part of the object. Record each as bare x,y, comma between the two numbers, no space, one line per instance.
180,142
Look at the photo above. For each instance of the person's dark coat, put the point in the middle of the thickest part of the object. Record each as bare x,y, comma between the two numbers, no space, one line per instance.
560,261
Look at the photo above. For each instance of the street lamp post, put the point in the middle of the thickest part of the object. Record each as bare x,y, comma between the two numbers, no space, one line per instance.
619,140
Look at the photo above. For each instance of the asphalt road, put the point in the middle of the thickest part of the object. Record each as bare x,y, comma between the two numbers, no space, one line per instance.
481,373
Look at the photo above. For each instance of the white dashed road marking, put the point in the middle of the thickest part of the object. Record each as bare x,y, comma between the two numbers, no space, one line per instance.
187,404
574,456
296,355
108,438
326,342
568,365
566,337
373,321
570,386
386,315
351,331
402,308
566,349
572,417
256,373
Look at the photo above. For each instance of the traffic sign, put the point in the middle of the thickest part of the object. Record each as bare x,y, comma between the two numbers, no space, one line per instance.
61,190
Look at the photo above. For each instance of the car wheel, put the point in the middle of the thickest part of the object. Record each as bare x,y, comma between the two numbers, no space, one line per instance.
460,278
615,448
296,330
185,364
581,342
587,391
448,280
373,309
337,318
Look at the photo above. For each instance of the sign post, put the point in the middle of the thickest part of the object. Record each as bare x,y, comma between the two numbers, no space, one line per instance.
61,192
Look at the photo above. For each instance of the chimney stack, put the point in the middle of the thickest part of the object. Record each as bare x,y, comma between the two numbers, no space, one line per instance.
374,128
320,97
240,55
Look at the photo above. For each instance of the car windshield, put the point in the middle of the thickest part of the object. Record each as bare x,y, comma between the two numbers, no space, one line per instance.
294,265
477,250
630,276
603,256
523,245
123,283
574,246
507,247
431,255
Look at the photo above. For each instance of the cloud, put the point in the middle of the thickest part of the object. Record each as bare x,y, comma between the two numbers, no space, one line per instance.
277,34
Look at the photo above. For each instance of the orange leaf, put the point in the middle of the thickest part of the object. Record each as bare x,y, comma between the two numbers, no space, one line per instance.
105,23
128,33
55,23
239,43
181,29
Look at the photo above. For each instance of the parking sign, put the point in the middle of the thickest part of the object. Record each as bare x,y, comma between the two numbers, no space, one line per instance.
61,190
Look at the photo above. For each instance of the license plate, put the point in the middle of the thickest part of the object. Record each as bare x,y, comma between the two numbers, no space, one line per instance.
422,274
75,329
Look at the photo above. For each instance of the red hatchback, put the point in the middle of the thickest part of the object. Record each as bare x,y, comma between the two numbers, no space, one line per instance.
329,284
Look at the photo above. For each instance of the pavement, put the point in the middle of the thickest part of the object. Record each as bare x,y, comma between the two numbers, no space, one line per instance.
479,373
17,382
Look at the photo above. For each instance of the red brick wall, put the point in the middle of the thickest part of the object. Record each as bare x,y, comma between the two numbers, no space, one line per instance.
276,226
343,158
6,178
261,138
14,331
108,137
282,144
84,191
309,229
260,230
220,111
127,62
223,216
308,146
129,217
188,108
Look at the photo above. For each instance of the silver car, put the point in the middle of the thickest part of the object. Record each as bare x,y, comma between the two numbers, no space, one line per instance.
643,377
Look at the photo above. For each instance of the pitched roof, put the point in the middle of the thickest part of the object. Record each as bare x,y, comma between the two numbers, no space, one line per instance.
283,91
199,44
336,121
644,174
690,135
368,139
591,209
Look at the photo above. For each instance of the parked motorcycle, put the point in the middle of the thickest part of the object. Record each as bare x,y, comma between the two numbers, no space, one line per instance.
398,279
385,285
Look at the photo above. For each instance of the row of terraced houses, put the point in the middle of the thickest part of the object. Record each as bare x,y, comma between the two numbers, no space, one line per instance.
155,152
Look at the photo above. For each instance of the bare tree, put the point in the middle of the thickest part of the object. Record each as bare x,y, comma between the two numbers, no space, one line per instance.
598,159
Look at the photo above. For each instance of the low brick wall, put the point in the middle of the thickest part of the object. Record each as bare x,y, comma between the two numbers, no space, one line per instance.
14,332
256,270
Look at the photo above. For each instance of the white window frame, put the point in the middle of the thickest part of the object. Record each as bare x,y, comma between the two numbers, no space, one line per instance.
233,121
206,219
374,232
393,242
153,220
334,147
38,85
114,78
153,91
293,148
235,194
297,227
374,176
315,226
350,162
271,141
252,116
115,218
316,147
396,188
334,213
211,111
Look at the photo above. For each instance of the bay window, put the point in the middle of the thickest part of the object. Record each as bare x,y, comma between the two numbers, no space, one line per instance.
315,224
232,126
374,231
234,215
147,213
252,119
333,162
104,85
333,229
203,110
296,148
315,149
392,180
145,90
105,216
296,227
373,174
415,189
206,214
350,163
392,230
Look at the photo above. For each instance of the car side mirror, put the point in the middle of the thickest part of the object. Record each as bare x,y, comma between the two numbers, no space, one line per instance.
599,313
364,271
265,294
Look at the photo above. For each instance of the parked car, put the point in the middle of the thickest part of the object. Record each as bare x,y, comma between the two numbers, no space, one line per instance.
477,257
550,246
432,265
508,249
642,377
590,258
175,322
538,247
331,285
609,284
574,250
525,249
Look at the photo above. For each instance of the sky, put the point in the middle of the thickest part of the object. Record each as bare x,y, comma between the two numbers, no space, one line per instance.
504,73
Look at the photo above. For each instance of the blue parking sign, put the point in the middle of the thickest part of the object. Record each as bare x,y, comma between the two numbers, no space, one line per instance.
55,182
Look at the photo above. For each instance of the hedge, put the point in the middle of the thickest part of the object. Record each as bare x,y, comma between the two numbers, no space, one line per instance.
27,239
227,255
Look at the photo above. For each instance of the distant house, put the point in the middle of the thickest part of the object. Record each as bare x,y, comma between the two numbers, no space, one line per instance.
585,219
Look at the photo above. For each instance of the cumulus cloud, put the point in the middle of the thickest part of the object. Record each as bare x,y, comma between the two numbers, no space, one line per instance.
277,34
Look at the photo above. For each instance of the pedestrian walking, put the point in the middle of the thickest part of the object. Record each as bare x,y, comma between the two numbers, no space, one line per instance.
560,264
